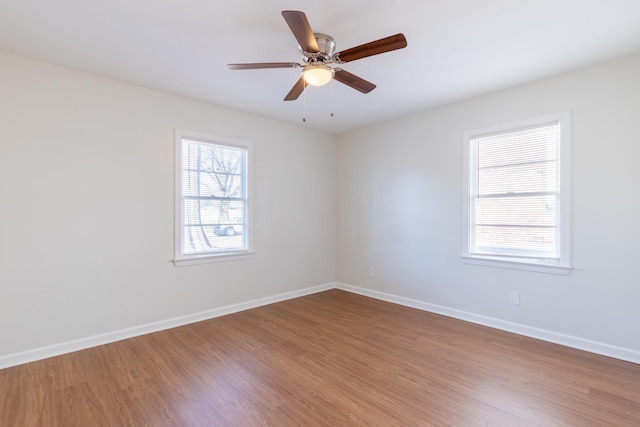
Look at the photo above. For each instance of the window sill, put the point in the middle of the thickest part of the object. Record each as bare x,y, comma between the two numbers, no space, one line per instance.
209,258
532,265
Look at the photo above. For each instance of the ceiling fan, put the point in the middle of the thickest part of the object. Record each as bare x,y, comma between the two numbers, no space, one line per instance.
318,51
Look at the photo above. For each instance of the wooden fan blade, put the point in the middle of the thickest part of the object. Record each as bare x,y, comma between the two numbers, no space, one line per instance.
353,81
296,90
297,22
377,47
258,65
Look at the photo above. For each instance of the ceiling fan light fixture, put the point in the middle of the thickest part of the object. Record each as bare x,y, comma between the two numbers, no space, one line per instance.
317,75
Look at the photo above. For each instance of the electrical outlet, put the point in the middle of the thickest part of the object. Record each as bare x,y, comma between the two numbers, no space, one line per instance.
514,297
372,272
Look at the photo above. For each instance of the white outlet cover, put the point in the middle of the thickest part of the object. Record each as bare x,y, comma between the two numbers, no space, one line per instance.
514,297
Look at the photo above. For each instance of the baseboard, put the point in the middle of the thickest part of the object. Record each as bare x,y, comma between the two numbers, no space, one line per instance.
528,331
545,335
93,341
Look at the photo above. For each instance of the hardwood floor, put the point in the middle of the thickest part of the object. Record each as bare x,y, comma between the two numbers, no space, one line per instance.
327,359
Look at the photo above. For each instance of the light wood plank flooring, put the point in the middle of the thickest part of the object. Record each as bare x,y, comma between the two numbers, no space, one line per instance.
328,359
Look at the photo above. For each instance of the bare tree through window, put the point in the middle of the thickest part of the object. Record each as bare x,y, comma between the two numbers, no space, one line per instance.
213,194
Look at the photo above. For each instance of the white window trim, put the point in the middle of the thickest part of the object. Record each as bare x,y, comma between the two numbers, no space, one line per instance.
562,266
184,260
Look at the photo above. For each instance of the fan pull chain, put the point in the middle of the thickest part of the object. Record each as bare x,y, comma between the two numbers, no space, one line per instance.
331,97
304,103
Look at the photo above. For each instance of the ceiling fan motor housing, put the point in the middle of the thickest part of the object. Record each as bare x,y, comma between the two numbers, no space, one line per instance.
326,49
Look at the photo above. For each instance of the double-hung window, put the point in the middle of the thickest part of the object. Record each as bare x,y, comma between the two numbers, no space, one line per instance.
516,205
212,198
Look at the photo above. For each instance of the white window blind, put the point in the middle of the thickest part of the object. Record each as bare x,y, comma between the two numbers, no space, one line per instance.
212,199
516,194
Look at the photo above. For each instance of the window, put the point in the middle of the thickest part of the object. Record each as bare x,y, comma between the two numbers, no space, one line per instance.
212,199
517,195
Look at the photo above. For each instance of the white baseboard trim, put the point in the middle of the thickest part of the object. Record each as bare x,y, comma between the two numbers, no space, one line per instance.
517,328
93,341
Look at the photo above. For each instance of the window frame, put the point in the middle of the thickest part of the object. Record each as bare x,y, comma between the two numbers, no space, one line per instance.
554,266
181,259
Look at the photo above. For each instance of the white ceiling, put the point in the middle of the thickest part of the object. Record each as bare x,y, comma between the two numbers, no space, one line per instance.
456,48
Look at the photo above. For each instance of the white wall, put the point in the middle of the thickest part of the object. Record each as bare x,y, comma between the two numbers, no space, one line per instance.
86,217
86,214
399,209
